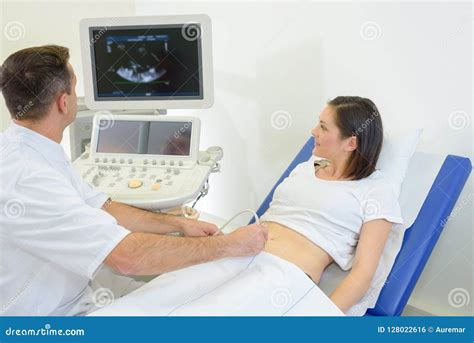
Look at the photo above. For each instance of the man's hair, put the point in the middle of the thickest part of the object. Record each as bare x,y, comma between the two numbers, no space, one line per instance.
32,78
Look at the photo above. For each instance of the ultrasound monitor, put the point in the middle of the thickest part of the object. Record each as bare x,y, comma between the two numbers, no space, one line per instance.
147,62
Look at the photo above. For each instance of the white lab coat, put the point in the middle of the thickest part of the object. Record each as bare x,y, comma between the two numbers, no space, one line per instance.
53,236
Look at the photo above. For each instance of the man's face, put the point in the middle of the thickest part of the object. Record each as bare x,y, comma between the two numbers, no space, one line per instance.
72,98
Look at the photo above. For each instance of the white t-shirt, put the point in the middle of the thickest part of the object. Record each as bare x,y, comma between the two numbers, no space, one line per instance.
331,213
53,235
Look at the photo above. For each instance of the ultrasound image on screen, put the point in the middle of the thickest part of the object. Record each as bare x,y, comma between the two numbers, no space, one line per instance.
143,137
146,63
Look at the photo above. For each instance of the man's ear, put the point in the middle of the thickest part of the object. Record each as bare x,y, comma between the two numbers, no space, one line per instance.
351,143
62,104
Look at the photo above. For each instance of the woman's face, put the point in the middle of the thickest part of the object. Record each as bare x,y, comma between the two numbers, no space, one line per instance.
328,136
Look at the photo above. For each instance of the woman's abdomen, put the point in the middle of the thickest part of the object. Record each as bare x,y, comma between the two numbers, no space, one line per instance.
297,249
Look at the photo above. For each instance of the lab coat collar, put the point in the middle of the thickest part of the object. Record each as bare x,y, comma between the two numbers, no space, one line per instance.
45,146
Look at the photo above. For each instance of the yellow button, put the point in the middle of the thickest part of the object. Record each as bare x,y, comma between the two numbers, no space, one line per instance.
156,186
135,183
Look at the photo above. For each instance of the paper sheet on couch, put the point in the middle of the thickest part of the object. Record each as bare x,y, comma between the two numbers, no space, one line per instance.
264,285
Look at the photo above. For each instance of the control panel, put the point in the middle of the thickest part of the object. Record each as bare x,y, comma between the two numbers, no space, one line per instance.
151,162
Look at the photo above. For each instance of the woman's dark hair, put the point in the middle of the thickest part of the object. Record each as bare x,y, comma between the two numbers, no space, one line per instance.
359,117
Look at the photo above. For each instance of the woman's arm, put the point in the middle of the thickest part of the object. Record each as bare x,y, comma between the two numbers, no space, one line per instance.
369,250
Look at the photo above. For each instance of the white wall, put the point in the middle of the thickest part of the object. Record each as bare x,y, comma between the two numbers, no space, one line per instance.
288,58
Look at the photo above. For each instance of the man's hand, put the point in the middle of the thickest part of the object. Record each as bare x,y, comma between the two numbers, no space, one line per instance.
248,240
138,220
196,228
150,254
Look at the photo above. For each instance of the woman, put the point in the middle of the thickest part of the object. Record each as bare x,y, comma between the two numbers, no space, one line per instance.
333,208
325,212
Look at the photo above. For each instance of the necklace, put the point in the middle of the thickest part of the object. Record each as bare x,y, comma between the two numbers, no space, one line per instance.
321,164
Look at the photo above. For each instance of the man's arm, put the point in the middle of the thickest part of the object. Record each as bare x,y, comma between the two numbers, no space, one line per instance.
138,220
149,254
370,247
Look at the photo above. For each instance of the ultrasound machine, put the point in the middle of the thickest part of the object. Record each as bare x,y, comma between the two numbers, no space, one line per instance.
122,143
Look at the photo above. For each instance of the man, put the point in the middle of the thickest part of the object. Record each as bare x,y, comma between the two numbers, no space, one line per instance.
56,231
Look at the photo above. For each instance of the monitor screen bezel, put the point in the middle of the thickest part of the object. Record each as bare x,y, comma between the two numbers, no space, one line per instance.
92,101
